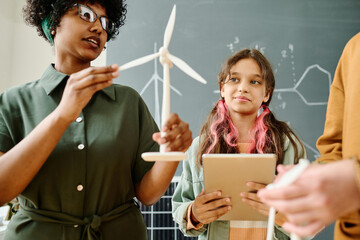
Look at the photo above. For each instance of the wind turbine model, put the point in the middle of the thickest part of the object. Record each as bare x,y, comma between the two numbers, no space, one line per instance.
167,61
155,78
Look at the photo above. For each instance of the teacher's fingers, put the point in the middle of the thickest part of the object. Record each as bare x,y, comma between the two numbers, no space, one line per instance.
92,76
177,134
157,138
181,143
175,127
95,70
173,120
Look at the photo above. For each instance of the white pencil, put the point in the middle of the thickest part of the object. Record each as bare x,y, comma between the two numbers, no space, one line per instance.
288,178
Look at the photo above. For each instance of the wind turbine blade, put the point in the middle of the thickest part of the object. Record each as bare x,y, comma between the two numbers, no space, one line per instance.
186,68
139,61
169,28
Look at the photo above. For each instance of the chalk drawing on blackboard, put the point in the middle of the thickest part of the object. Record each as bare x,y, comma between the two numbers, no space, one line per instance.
284,55
236,43
295,88
232,44
154,79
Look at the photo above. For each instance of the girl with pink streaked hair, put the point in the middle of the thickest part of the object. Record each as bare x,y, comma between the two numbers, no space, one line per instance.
240,122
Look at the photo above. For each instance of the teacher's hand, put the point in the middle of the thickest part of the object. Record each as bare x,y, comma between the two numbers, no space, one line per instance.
178,136
81,86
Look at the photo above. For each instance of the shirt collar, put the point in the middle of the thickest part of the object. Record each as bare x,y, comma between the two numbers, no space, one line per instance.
52,78
110,92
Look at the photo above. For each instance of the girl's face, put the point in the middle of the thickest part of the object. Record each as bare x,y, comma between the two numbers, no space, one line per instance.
244,89
79,40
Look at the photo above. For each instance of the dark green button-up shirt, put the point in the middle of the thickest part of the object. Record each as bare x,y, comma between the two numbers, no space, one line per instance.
92,170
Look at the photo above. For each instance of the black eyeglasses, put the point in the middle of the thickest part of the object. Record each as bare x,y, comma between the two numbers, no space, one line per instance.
87,14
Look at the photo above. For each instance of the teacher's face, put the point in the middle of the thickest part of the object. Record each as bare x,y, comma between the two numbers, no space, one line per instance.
77,40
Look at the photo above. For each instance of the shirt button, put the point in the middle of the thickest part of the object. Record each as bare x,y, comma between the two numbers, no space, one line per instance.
81,146
80,187
79,119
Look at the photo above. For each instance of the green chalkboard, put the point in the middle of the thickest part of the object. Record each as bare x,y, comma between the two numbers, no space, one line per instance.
303,40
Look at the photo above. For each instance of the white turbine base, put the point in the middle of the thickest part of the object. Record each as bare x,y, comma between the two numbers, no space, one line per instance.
163,157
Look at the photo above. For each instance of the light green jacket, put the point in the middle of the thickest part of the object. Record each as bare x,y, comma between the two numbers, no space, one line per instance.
191,184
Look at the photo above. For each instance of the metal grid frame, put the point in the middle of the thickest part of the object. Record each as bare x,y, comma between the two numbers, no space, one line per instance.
158,218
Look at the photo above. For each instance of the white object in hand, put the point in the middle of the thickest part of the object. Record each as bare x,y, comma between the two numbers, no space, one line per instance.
167,61
288,178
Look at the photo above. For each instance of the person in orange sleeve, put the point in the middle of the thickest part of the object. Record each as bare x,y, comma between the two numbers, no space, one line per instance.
331,191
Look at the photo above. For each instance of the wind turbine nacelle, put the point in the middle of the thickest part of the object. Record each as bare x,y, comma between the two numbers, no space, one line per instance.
164,59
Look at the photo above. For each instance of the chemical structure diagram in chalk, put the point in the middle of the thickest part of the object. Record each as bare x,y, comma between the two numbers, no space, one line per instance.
315,69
